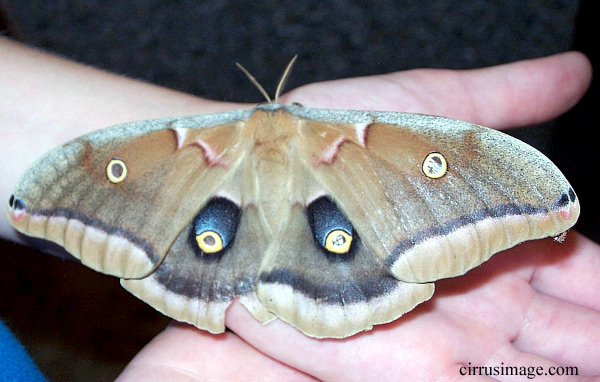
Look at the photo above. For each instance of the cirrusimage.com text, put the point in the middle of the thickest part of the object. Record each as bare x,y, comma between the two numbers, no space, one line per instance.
526,371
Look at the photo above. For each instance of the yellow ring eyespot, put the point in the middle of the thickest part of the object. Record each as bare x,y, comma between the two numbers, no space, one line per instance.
435,165
209,242
116,170
338,241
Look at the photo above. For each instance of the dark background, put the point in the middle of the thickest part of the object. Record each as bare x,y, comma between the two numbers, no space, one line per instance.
78,324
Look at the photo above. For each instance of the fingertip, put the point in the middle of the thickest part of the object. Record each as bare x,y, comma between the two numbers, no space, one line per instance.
528,92
579,63
573,71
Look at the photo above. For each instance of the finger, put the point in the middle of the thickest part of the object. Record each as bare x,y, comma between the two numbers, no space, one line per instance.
511,364
184,353
414,347
566,271
570,272
562,332
283,342
526,92
429,346
516,94
499,295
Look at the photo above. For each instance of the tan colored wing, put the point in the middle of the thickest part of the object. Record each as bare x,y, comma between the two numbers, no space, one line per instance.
197,288
494,193
124,227
329,295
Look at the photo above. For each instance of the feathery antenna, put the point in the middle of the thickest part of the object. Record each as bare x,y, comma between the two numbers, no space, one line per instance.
280,86
284,78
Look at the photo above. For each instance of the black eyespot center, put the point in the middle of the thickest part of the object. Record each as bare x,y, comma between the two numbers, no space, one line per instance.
210,240
339,240
116,170
11,200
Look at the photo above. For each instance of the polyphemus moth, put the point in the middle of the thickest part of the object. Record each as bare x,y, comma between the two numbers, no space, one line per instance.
331,220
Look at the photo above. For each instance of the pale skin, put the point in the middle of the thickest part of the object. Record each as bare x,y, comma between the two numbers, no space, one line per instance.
534,305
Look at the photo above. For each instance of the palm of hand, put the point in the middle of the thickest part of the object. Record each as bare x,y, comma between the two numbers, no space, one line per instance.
534,305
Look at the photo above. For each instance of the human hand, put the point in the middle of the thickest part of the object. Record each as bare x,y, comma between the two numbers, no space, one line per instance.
533,305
